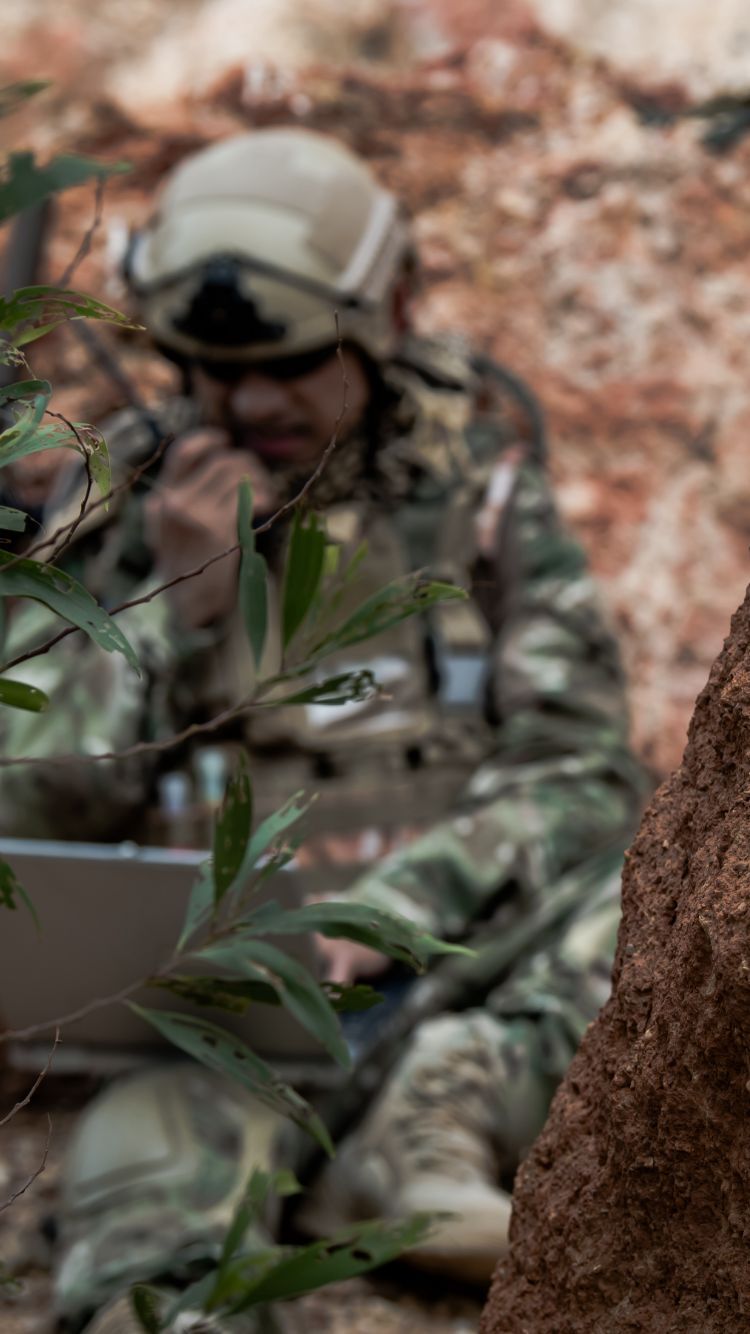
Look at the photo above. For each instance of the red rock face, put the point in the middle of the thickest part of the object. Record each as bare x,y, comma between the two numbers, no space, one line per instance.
632,1211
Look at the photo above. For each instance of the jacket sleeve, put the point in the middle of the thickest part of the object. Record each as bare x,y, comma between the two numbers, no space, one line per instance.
561,782
97,702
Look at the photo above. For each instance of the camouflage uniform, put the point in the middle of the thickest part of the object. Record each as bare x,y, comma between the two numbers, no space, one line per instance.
515,767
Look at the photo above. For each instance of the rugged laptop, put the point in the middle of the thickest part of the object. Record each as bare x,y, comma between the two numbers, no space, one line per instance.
109,915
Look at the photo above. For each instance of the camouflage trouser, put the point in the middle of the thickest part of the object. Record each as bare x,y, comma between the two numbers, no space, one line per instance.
471,1091
463,1104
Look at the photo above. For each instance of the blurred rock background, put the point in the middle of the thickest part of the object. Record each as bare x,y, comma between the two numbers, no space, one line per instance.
570,218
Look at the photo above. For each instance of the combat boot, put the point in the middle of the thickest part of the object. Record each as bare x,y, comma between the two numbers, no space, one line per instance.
151,1181
429,1145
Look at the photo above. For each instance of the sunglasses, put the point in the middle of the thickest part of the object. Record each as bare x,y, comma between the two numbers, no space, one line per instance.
277,368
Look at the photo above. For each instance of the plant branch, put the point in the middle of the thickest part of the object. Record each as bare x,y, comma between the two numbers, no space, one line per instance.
85,246
254,701
74,526
21,1034
197,570
141,747
42,1075
124,485
22,1189
219,932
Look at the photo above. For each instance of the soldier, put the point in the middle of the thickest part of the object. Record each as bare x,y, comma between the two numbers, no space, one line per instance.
496,777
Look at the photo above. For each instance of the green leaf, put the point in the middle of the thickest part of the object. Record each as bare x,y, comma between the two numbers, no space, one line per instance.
226,1054
249,1214
340,579
26,183
297,988
232,831
30,435
200,904
356,685
253,580
146,1303
11,890
303,573
395,936
266,835
12,521
351,1000
14,95
25,389
219,992
10,355
394,602
34,333
18,695
355,1251
97,457
29,313
9,1285
273,826
15,439
192,1298
64,595
285,1183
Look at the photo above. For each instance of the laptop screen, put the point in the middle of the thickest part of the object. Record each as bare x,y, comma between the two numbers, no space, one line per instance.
109,915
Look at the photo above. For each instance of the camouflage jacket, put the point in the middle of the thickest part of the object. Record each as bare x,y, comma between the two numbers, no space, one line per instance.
503,745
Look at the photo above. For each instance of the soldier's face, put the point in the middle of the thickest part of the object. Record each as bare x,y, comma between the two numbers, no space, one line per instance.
285,411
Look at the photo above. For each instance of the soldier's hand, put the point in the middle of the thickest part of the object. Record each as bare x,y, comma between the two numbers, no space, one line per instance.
347,961
191,516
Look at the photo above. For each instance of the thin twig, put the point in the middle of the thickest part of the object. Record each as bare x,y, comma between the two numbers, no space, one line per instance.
20,1034
165,970
22,1190
141,747
42,1075
221,555
74,526
124,485
37,653
85,245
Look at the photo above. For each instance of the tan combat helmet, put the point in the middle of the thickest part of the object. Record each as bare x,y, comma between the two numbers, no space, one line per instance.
261,242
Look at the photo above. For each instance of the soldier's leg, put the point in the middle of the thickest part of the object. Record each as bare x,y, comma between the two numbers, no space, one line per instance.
153,1174
464,1103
